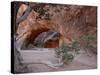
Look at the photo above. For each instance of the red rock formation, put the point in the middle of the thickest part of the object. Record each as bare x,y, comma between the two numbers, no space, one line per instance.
71,22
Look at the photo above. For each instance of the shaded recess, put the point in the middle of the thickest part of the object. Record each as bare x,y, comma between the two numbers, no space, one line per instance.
44,38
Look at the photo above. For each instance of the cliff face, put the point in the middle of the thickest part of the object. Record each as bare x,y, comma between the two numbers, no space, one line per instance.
71,22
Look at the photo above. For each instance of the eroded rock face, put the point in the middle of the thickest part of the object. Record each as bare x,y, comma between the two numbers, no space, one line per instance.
71,22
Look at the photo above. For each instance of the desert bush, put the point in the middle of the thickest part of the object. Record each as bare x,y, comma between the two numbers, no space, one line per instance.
87,39
67,53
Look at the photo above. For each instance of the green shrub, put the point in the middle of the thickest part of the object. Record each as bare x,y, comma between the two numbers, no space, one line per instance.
87,39
75,47
66,53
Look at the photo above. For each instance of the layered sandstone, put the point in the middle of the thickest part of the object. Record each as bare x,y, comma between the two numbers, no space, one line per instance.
71,22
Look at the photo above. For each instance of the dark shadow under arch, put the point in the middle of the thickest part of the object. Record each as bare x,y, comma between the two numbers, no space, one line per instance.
52,43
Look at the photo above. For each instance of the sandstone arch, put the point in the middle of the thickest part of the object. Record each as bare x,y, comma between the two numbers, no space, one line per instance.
71,23
54,40
33,31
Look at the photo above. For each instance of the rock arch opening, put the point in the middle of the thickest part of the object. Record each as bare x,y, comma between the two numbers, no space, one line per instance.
45,38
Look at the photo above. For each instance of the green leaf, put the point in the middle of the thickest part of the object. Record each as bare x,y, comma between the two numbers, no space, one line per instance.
74,44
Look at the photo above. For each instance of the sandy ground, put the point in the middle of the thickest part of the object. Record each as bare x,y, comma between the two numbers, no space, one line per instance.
81,62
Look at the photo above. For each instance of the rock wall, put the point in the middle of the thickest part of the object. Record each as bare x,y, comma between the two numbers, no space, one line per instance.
71,21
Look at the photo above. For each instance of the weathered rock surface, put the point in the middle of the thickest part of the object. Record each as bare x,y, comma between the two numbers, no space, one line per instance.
35,60
71,22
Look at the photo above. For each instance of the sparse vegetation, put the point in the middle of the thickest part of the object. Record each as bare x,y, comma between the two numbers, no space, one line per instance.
67,53
42,14
87,39
75,47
